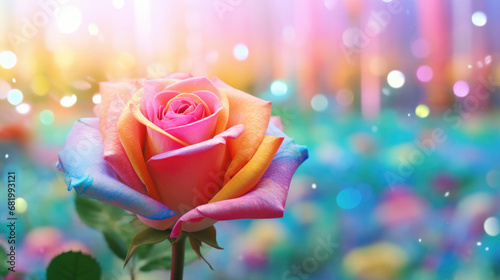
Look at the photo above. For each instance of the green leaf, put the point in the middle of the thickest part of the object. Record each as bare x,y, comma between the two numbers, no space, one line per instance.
73,266
158,263
137,224
196,245
97,214
116,243
160,257
207,236
145,237
4,266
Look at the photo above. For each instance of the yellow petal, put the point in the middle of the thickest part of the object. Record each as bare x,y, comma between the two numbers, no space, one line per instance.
251,173
254,113
133,136
223,114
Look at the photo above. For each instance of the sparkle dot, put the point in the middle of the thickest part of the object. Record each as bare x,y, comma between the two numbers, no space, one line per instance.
420,240
47,117
8,59
348,198
313,186
422,111
240,51
6,155
491,226
21,205
479,18
15,97
479,243
319,102
446,194
408,115
424,73
96,98
279,88
14,80
23,108
68,19
469,66
487,248
68,101
461,88
396,79
487,59
93,29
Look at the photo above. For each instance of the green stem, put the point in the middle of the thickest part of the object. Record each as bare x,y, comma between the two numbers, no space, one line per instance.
178,250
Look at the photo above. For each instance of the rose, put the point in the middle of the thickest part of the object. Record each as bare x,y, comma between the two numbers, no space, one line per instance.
183,151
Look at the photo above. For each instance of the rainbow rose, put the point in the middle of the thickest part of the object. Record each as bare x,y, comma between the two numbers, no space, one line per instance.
182,151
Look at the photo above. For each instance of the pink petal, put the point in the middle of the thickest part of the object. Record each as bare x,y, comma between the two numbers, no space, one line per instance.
276,121
114,153
266,200
191,176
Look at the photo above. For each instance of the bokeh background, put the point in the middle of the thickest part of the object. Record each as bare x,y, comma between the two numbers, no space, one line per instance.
397,101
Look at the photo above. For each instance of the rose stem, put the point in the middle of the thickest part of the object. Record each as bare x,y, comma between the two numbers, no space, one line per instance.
178,249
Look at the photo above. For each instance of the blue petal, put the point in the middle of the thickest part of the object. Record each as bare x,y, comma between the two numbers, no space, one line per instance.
89,174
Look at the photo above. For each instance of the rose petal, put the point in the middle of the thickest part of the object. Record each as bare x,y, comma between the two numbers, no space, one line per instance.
266,200
91,176
108,91
191,176
207,97
192,85
276,121
250,111
251,173
150,89
158,224
133,137
179,76
159,140
114,153
197,131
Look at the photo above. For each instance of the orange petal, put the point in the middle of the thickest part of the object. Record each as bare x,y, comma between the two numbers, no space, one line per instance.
251,173
108,90
133,137
254,113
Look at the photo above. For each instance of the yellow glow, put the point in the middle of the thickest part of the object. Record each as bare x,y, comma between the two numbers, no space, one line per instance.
422,111
64,57
40,85
21,205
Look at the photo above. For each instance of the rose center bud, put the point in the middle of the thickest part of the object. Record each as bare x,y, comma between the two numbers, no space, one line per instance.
183,106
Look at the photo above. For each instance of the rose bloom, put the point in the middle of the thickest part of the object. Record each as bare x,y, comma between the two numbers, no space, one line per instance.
182,151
